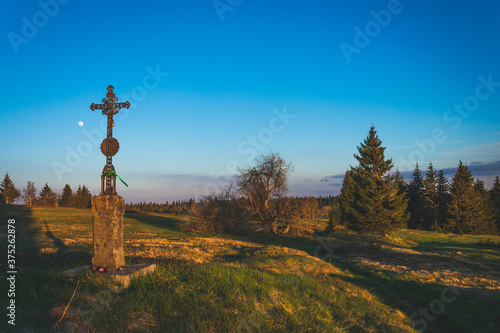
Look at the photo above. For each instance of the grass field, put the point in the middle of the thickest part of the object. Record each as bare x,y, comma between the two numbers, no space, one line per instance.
412,281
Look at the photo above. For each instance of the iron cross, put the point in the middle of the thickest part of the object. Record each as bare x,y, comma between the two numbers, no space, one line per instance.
109,146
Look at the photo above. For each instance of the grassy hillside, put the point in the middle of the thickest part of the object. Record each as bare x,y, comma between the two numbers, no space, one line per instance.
223,283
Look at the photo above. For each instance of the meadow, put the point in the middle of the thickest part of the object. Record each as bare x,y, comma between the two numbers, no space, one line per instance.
331,282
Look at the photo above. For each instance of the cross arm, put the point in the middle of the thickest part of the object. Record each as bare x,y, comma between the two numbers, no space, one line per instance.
94,107
125,105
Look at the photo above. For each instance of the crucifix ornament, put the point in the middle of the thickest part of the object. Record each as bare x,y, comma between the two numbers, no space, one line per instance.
109,146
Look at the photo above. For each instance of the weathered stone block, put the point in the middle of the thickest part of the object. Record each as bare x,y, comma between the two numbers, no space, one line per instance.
131,272
124,276
107,221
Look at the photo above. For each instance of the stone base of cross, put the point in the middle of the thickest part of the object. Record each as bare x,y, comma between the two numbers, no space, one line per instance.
107,224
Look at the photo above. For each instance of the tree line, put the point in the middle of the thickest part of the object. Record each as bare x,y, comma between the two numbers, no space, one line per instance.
374,200
464,206
46,197
185,207
310,206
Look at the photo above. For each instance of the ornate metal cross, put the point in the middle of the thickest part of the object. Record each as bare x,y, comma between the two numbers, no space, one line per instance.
109,146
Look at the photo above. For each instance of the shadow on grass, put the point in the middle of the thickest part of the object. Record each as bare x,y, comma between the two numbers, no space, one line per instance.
35,283
57,242
433,307
449,245
244,252
306,244
24,226
165,222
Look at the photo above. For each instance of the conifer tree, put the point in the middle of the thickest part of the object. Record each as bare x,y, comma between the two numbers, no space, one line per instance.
401,182
8,191
334,217
430,199
495,201
485,210
415,193
174,209
371,201
82,197
67,198
463,209
86,197
78,201
443,199
344,210
47,197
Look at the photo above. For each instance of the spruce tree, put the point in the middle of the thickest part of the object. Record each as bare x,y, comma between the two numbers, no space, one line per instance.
373,203
495,201
174,209
82,198
8,191
401,182
485,210
86,197
463,209
344,210
430,199
78,198
47,197
443,199
67,199
415,195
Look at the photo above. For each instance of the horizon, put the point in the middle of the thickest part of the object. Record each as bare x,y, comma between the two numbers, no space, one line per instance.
211,87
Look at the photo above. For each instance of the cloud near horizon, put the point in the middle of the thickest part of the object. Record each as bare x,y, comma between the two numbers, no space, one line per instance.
479,169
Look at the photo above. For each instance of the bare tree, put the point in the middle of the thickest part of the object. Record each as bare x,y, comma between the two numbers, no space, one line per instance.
29,194
264,188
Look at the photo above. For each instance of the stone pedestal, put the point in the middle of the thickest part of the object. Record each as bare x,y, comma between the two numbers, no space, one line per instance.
124,276
107,221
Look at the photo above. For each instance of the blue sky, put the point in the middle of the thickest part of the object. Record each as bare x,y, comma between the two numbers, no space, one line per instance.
212,83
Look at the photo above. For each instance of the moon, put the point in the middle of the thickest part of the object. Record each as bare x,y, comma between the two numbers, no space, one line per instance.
80,123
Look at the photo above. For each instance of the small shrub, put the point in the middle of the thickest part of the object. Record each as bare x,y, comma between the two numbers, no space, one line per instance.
300,228
334,219
219,213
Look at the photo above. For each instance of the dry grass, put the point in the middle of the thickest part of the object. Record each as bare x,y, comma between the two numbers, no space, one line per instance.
198,250
410,256
451,268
